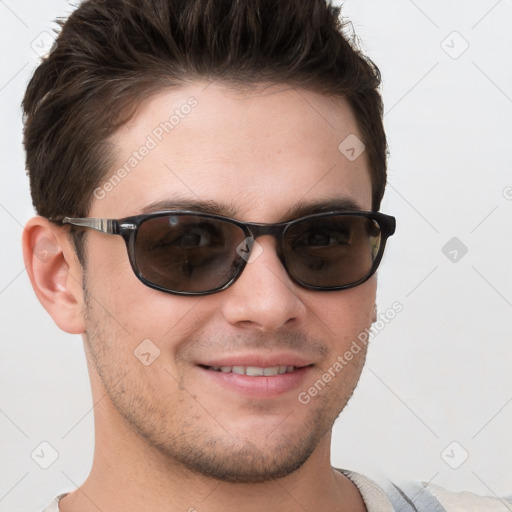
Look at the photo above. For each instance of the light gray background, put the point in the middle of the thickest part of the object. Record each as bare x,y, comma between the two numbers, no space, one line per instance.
439,372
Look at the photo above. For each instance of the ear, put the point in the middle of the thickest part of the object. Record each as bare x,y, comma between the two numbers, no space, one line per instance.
55,273
374,319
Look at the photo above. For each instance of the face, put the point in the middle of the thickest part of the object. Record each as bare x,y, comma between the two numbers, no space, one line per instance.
259,153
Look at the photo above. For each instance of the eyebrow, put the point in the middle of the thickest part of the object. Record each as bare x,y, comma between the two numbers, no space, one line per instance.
295,211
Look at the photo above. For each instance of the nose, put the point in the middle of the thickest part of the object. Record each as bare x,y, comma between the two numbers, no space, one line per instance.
264,297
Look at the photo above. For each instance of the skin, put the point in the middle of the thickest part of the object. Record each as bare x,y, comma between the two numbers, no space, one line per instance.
166,438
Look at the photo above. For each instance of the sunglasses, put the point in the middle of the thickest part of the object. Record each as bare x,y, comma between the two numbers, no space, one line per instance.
192,253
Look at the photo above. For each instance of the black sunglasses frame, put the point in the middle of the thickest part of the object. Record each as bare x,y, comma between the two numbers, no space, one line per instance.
128,227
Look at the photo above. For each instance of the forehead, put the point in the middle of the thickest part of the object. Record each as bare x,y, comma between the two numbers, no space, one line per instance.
259,151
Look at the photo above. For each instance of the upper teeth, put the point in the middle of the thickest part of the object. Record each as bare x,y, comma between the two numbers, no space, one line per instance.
254,371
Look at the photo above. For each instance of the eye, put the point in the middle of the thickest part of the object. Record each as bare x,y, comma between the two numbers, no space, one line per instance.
323,236
188,237
191,239
319,239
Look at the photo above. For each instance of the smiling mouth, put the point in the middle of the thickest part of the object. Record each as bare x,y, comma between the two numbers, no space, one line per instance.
255,371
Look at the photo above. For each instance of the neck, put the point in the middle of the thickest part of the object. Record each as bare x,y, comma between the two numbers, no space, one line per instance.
127,473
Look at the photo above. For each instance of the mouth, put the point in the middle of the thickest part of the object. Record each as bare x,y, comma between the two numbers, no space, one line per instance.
257,377
255,371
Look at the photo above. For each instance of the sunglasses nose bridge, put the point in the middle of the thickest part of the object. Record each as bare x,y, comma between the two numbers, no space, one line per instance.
276,231
257,230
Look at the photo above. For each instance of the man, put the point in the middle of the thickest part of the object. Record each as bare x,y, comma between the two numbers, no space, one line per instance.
208,176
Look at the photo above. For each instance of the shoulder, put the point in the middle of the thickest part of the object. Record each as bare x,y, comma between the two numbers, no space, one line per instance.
54,505
374,496
422,497
455,501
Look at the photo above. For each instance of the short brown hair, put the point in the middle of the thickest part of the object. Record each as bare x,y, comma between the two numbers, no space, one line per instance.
111,54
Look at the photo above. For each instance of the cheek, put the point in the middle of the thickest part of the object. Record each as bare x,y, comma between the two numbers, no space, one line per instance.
347,313
108,265
113,285
346,317
129,319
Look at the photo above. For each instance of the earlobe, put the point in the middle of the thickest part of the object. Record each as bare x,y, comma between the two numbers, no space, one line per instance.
55,273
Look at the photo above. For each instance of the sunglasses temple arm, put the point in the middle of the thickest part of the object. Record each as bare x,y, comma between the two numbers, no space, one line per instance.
108,226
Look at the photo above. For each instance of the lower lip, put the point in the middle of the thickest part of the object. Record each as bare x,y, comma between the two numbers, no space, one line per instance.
259,387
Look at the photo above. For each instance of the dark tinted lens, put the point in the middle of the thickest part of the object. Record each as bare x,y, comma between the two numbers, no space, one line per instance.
187,253
333,250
